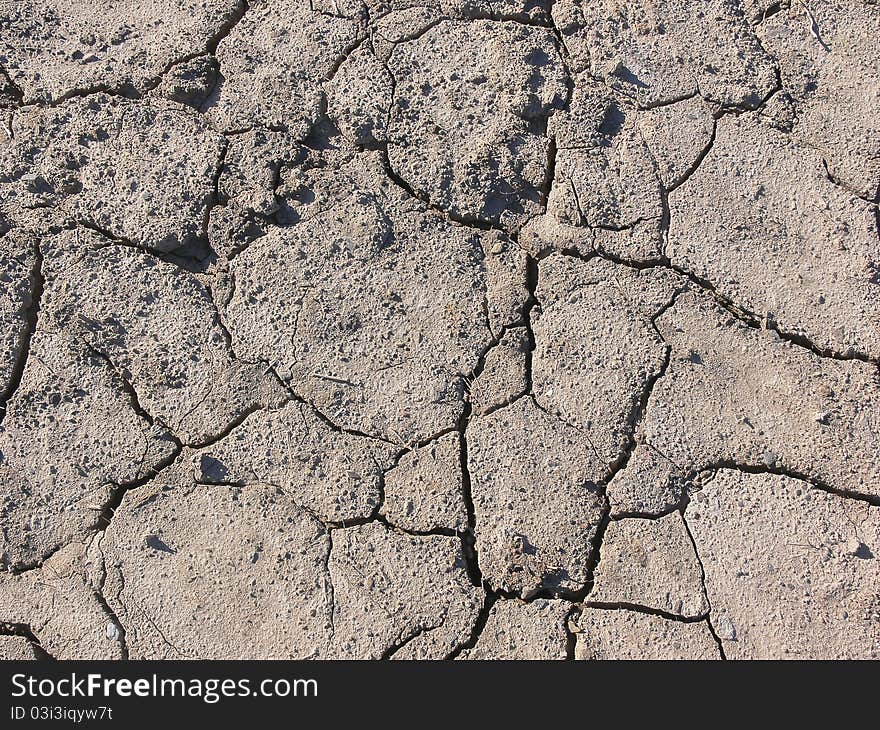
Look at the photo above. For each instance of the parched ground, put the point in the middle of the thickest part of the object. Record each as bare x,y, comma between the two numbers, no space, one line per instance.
462,329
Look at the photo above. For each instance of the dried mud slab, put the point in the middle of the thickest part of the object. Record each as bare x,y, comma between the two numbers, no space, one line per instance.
189,82
398,595
60,606
359,97
736,396
261,577
140,171
832,76
596,346
335,475
398,19
791,571
425,490
218,572
517,630
470,105
18,277
678,135
537,500
249,197
439,329
16,648
606,180
273,62
71,435
370,307
649,485
613,166
612,169
156,326
625,635
650,564
761,220
661,51
52,49
505,375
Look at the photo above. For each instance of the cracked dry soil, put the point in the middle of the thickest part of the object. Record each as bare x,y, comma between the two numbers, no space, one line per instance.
440,329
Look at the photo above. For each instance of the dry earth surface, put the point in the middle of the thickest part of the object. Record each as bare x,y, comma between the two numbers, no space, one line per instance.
466,329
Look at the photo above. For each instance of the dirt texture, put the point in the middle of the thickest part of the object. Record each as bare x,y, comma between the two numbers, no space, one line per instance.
439,329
